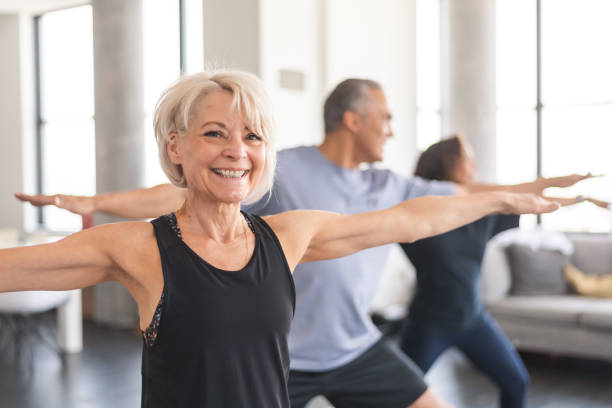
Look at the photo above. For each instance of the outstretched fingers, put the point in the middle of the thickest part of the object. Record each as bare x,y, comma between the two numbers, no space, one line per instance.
572,179
37,200
80,205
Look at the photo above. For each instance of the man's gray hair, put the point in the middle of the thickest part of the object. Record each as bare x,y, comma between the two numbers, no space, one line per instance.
351,94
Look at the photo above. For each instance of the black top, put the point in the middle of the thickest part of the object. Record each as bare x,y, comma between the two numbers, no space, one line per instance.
448,273
221,339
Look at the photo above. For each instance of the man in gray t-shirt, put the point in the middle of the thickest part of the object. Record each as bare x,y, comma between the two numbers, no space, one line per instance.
335,349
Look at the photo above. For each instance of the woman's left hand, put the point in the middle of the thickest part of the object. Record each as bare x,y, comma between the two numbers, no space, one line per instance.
567,181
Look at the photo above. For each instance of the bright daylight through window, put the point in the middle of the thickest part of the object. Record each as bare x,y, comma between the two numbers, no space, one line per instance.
66,124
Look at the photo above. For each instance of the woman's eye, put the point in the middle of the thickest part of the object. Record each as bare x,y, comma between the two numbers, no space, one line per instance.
213,133
253,136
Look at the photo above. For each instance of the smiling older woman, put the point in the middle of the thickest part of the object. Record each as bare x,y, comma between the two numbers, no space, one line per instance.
213,285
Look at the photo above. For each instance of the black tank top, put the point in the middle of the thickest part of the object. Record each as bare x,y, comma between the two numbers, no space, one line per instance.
220,337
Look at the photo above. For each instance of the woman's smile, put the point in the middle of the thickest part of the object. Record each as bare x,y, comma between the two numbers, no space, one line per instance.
230,173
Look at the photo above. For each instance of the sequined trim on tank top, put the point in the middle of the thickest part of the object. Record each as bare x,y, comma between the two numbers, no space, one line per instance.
150,333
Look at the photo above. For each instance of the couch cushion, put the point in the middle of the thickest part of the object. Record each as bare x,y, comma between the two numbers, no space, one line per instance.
562,309
536,272
592,253
599,316
568,309
495,280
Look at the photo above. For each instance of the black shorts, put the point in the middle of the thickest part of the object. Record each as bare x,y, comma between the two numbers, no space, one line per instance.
382,377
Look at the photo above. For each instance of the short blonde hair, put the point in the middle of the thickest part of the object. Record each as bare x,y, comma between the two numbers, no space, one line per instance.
177,106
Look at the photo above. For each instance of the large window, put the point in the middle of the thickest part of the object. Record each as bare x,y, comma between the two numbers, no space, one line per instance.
555,100
161,39
66,145
173,44
428,72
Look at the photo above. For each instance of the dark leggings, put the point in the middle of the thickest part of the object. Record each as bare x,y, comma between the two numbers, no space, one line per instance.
485,345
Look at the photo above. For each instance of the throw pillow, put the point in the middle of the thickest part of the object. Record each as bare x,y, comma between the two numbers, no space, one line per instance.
588,284
536,272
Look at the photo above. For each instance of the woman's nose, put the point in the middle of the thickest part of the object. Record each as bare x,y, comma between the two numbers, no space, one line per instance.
235,148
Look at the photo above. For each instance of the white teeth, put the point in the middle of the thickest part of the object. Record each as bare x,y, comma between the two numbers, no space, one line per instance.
230,173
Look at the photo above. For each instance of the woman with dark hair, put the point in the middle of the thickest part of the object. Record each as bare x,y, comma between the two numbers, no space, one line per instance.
442,161
446,309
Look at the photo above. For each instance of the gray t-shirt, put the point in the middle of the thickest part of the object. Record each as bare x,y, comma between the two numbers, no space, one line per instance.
331,326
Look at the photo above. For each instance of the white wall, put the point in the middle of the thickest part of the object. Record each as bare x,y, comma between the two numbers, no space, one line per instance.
376,39
291,39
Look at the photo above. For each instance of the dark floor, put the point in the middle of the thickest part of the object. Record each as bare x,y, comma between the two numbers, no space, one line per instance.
555,382
107,374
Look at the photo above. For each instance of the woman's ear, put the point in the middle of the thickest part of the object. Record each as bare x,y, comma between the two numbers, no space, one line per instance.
172,148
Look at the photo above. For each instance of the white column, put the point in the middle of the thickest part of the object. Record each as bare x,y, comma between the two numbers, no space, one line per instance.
468,77
119,114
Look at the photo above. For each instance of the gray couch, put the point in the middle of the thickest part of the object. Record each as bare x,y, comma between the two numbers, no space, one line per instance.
570,324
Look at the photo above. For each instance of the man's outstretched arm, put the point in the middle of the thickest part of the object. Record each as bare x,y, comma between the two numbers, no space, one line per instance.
142,203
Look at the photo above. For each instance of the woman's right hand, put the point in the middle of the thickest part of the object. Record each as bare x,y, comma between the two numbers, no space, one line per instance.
566,181
80,205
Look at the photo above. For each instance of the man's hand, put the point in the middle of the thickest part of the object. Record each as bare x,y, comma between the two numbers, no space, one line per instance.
80,205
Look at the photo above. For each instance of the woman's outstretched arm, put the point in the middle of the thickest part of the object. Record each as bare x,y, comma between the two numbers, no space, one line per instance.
142,203
534,187
104,253
317,235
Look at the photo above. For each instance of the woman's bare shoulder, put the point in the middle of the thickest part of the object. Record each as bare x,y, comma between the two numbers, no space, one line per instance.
121,239
123,230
